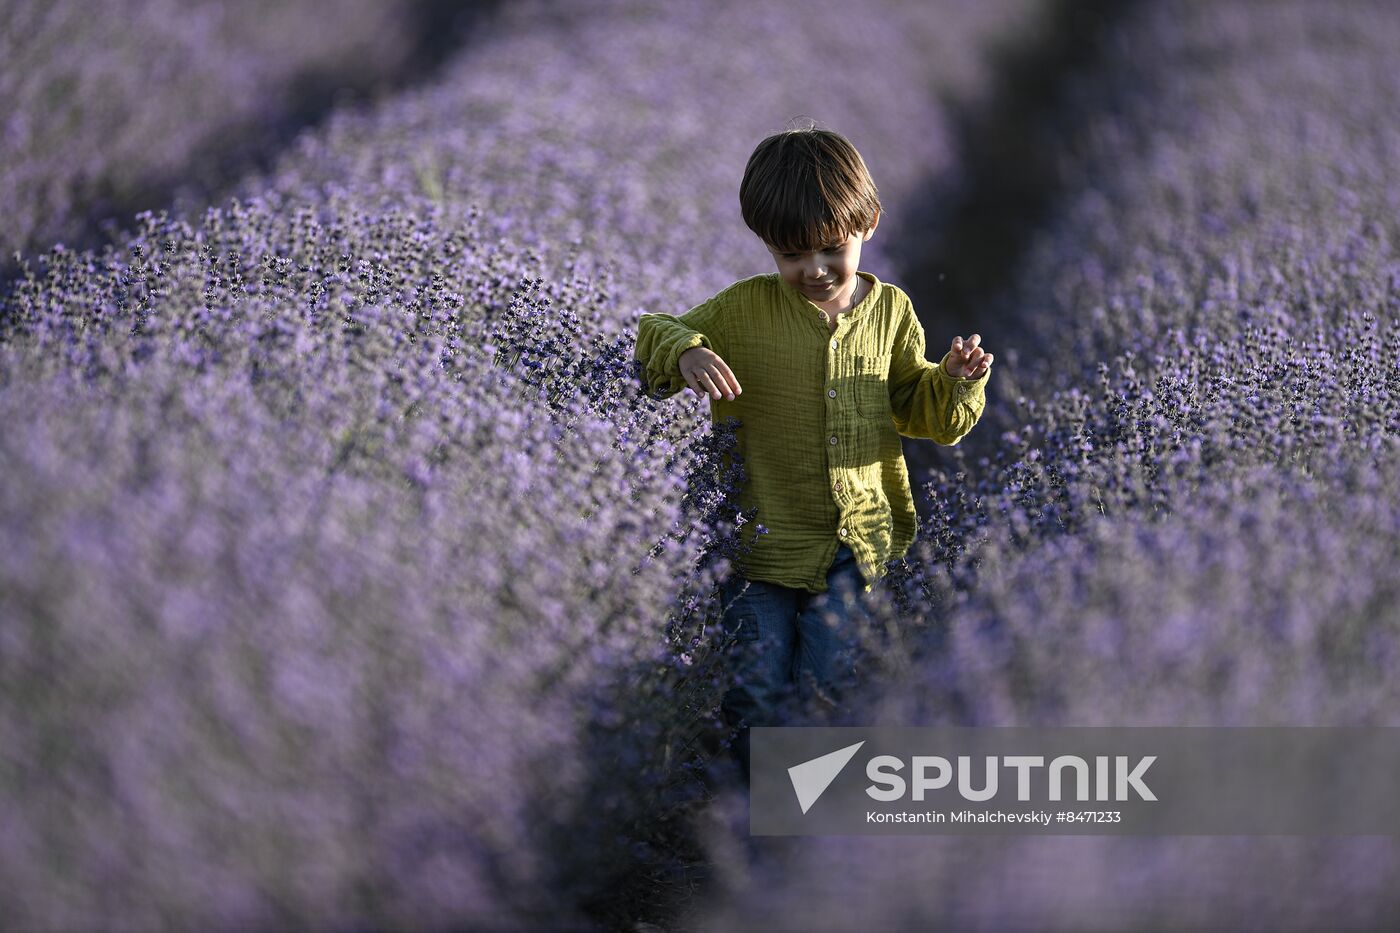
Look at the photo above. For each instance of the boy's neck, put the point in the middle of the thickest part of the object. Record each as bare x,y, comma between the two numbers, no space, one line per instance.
842,305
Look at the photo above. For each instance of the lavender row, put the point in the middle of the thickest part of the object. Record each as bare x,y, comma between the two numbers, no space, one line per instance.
107,105
272,558
1193,514
1239,174
354,581
1238,303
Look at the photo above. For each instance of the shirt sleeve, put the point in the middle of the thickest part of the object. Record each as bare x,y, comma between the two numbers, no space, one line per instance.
925,400
662,338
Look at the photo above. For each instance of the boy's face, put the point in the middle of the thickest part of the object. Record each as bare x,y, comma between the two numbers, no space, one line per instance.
827,275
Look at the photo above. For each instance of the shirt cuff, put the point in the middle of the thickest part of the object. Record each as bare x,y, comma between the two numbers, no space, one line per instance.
689,343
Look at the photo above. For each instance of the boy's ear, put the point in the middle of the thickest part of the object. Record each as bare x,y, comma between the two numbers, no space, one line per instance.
871,232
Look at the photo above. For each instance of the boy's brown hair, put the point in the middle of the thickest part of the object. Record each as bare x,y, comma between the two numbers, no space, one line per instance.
805,189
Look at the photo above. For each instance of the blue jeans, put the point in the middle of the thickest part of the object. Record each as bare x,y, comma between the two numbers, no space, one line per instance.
790,645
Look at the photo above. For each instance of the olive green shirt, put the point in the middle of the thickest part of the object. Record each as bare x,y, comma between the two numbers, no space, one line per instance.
821,414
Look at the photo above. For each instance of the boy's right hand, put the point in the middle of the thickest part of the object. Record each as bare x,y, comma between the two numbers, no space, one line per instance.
707,374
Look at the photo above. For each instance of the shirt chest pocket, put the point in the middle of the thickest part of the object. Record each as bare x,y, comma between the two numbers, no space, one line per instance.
871,384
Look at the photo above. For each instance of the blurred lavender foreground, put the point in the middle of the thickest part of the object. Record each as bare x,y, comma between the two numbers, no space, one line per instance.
347,580
1203,526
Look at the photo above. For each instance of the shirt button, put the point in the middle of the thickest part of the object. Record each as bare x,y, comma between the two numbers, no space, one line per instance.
834,343
843,532
830,393
832,439
839,486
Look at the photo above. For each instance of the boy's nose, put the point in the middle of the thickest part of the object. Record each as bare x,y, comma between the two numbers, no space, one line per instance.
815,270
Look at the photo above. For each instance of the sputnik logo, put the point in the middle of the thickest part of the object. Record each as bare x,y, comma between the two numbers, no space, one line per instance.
811,778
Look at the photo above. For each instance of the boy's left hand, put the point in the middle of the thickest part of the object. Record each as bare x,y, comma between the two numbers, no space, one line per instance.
966,359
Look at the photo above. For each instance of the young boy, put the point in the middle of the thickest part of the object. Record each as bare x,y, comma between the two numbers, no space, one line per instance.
824,367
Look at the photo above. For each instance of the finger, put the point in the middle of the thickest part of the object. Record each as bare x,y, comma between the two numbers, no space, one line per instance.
957,344
720,383
704,379
973,341
728,375
723,378
711,380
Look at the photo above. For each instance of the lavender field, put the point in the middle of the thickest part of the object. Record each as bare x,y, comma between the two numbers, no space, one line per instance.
350,580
